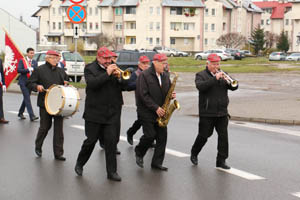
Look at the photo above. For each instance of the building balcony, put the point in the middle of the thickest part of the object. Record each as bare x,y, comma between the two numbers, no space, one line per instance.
129,17
184,18
129,46
182,33
130,32
70,32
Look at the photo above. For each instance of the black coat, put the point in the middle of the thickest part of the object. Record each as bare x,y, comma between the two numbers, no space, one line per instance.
2,73
46,75
149,95
213,95
23,72
103,95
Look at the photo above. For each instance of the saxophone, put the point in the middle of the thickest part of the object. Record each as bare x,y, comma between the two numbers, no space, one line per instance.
169,108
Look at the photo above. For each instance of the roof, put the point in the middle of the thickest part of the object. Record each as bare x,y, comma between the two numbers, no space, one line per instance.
119,3
36,12
54,34
277,8
226,4
45,3
106,3
68,3
251,7
183,3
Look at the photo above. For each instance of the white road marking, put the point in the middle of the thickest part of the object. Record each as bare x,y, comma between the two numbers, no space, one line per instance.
14,112
296,194
123,138
242,174
268,128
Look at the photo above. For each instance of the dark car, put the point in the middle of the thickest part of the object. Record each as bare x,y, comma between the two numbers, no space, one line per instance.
130,58
236,54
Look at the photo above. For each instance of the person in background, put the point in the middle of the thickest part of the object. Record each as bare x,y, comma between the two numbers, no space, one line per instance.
2,89
25,68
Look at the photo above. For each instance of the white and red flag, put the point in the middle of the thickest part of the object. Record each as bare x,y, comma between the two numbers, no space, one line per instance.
12,57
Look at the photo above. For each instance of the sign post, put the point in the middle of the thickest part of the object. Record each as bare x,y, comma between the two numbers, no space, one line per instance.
76,14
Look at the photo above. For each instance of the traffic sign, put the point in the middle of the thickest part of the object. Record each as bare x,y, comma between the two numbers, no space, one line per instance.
76,13
76,1
76,31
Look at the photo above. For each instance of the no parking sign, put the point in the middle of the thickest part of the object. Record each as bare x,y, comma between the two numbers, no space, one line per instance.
76,13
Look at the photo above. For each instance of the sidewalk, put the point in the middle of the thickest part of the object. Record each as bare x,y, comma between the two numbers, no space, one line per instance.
267,97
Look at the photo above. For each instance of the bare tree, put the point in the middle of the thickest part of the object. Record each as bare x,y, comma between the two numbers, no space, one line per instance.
104,40
271,39
231,40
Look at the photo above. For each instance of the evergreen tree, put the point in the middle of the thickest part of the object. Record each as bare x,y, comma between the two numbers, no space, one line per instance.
283,42
257,39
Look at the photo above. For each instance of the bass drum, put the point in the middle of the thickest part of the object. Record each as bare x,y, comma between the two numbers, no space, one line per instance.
62,100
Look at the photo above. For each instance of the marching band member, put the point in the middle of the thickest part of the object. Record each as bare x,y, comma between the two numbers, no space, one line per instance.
2,89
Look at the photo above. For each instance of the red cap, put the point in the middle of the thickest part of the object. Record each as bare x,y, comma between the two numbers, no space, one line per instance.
104,52
144,59
160,57
113,54
52,52
213,58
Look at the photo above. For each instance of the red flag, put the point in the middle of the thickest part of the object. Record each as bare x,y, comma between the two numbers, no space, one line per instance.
12,57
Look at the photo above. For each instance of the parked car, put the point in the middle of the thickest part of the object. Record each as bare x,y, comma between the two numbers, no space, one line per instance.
180,53
165,50
130,58
247,52
236,54
294,57
203,55
68,59
277,56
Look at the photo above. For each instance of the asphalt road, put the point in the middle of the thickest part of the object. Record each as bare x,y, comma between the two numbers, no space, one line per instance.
265,161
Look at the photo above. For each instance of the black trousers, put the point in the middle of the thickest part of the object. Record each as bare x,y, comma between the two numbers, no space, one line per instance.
134,128
26,101
206,128
108,132
153,132
58,135
1,103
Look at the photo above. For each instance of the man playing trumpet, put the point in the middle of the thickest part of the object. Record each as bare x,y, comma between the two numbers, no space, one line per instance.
213,85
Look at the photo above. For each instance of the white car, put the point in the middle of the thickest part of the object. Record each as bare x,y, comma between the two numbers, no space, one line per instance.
68,59
165,50
180,53
294,57
221,53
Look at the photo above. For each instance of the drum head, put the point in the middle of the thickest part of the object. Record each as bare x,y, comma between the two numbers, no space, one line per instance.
54,100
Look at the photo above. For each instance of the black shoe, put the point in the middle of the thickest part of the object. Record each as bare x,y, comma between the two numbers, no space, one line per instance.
194,159
153,145
38,152
21,116
33,118
118,152
3,121
139,161
60,158
102,145
129,138
114,176
159,167
222,164
78,170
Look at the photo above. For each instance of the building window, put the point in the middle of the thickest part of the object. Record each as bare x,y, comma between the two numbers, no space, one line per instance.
120,40
206,27
157,41
53,26
59,11
91,25
287,22
53,11
224,26
133,25
188,26
262,22
213,12
185,41
176,11
175,26
212,27
90,11
59,25
268,21
118,11
206,41
132,41
96,11
119,26
157,26
151,10
97,26
131,10
206,11
158,10
151,26
151,41
172,41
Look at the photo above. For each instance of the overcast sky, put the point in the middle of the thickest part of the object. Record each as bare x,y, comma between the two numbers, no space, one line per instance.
23,8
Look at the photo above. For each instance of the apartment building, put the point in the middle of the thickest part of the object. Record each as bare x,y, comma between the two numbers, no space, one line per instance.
188,25
227,16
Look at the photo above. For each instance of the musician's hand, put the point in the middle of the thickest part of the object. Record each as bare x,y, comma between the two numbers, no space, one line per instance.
219,75
111,68
66,83
173,95
160,112
40,88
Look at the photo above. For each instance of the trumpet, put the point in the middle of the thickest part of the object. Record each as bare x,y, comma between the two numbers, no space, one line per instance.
125,74
228,79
